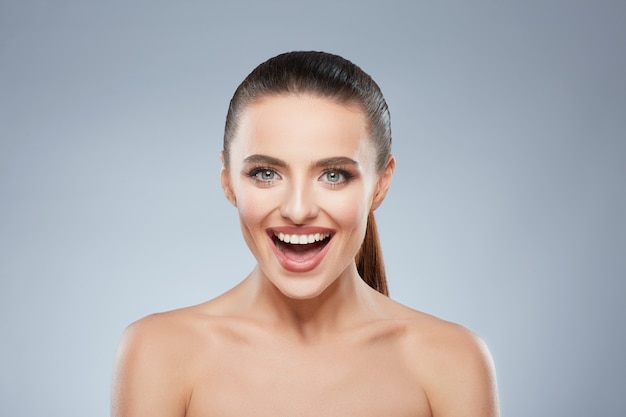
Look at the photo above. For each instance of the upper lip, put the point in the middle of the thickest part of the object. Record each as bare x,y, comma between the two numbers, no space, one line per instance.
299,230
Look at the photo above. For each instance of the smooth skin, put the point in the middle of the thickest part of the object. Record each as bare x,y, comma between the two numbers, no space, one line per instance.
296,338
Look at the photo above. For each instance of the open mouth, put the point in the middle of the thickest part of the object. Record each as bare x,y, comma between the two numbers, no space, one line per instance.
300,247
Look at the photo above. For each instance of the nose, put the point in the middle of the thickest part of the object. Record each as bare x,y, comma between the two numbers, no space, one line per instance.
299,205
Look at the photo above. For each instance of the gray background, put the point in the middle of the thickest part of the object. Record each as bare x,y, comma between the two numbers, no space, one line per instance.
506,213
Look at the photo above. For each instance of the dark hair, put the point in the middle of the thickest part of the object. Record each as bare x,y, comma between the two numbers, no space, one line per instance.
329,76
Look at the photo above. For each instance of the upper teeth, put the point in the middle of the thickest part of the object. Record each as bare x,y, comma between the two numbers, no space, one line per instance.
301,239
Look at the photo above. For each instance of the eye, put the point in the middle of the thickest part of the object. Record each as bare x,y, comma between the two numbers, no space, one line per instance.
335,177
264,176
332,176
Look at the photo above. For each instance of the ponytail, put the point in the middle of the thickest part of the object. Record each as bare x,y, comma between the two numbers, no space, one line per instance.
369,258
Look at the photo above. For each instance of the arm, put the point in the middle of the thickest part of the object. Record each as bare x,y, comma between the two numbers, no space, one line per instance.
462,377
147,379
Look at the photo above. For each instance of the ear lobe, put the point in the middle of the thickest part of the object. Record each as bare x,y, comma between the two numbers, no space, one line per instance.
384,182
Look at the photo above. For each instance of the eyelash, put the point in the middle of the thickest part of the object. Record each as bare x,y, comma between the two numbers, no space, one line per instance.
345,176
253,174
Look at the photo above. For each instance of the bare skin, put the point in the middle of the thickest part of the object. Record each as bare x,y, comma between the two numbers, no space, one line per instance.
233,356
302,338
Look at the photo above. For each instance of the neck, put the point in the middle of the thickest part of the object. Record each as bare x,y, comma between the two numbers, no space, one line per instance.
345,302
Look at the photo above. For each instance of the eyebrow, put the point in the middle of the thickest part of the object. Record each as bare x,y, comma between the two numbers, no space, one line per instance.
322,163
264,160
335,161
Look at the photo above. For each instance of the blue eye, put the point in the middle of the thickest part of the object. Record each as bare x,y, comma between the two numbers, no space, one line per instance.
335,177
263,176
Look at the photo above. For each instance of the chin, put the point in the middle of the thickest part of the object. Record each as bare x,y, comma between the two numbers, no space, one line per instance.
301,288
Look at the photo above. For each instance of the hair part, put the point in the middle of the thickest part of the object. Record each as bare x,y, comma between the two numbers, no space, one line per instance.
332,77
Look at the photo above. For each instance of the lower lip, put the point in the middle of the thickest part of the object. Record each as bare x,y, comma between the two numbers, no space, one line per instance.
300,266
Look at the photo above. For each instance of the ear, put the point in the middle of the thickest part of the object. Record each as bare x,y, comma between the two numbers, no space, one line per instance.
225,181
384,181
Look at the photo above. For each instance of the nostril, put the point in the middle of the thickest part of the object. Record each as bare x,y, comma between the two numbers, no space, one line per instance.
299,207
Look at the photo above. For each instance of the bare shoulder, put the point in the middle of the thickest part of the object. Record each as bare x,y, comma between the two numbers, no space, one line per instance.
175,333
444,340
154,373
177,330
453,365
166,326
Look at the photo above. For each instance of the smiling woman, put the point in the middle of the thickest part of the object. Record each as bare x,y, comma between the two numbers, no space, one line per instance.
303,165
311,330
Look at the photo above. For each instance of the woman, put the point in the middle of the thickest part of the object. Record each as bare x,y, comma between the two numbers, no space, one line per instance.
311,331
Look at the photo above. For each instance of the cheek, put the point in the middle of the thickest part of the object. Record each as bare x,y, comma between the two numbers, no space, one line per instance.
253,212
252,207
349,210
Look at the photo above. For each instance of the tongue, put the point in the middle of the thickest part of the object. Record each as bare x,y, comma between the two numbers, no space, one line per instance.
301,253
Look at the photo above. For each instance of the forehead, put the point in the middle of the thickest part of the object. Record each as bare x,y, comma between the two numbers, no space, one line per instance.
301,125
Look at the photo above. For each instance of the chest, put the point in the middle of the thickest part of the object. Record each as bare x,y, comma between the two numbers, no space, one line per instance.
285,382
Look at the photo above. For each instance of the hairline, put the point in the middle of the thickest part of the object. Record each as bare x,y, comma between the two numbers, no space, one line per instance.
350,103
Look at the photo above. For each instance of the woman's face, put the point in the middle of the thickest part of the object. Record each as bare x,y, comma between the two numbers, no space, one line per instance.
302,175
